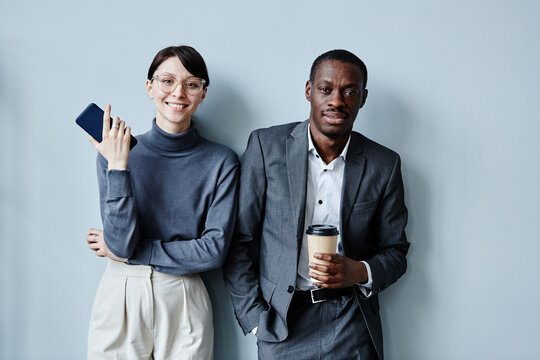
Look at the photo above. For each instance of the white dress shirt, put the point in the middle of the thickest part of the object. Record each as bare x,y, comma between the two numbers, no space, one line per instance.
323,206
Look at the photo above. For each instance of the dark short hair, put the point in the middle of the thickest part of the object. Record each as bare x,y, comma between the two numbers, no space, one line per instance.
343,56
188,56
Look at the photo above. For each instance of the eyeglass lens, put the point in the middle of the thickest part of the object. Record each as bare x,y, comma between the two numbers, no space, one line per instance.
168,84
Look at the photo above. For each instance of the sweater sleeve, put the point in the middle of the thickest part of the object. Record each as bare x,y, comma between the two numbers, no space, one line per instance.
186,256
118,209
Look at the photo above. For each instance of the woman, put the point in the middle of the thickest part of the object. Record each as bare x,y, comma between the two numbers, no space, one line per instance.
168,214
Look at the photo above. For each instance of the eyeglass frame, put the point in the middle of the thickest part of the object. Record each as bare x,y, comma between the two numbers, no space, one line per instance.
156,77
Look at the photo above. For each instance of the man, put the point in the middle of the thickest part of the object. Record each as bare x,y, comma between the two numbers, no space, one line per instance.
318,171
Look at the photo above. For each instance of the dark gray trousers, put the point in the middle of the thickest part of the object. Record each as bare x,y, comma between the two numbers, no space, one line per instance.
334,329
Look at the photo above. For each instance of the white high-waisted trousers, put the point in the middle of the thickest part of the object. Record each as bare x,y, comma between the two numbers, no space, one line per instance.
140,313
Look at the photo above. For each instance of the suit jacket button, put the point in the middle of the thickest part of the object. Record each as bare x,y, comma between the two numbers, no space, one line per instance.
290,289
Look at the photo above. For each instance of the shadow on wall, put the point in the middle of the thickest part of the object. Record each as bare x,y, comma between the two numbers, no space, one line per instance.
226,330
224,117
402,303
390,121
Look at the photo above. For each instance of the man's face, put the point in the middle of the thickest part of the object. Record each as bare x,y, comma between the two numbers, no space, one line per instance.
336,95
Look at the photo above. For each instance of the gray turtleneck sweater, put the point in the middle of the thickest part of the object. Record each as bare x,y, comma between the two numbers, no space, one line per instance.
174,208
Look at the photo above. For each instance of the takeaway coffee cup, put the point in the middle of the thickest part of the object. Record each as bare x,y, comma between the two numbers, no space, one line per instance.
322,239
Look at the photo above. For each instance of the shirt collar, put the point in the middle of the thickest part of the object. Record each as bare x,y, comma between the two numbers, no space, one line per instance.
312,149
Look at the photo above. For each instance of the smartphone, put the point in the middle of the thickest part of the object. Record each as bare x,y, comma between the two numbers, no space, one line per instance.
91,120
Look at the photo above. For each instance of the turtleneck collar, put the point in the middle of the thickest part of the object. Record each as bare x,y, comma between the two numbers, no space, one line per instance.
162,140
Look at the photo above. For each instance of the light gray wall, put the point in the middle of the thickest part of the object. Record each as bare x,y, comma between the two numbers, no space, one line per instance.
454,88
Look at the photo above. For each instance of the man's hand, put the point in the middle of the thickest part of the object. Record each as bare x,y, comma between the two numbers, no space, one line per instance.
96,242
342,271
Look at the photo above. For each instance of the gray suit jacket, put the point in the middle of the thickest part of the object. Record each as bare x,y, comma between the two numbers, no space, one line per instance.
261,266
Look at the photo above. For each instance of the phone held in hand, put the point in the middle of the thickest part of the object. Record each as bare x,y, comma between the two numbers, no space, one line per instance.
91,120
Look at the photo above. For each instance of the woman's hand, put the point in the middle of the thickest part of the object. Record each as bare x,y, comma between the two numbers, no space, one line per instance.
96,242
115,144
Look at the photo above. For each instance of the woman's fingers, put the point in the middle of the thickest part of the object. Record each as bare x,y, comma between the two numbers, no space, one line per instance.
127,135
114,131
121,127
114,147
94,236
93,240
106,121
94,231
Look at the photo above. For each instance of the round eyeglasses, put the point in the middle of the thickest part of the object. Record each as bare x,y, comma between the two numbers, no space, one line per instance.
168,84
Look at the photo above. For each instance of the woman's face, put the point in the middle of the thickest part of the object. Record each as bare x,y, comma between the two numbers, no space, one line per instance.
173,110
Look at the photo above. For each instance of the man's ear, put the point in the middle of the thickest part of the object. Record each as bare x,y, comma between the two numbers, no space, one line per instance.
364,98
308,90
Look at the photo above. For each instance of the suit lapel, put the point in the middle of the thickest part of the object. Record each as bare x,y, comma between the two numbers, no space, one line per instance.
296,157
354,169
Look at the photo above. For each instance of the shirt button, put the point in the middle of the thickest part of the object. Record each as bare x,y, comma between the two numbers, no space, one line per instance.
317,156
325,170
320,201
290,289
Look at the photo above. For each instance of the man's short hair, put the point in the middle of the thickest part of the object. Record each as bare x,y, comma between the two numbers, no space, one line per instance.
343,56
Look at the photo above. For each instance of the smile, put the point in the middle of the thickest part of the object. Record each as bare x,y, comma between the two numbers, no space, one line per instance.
177,106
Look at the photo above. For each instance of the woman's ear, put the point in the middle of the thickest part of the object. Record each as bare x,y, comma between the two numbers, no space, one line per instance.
204,93
149,88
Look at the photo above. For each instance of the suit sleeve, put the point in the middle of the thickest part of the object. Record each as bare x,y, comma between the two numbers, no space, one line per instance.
390,262
240,271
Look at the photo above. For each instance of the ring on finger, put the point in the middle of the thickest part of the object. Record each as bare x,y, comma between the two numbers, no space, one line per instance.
115,125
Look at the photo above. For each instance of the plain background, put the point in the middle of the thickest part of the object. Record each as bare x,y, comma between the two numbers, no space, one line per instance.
453,87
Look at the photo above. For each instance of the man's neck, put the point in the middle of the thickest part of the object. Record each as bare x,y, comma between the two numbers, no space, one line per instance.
329,148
